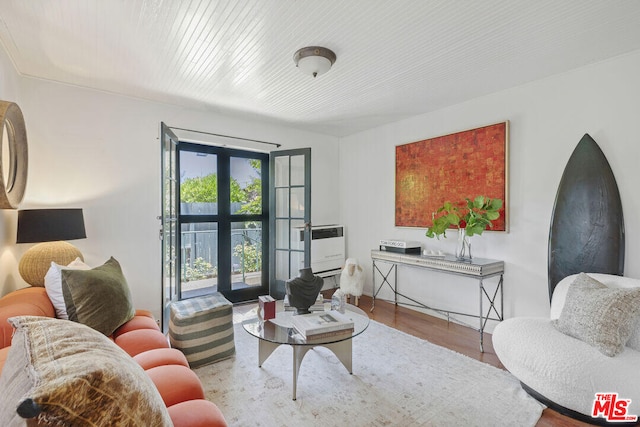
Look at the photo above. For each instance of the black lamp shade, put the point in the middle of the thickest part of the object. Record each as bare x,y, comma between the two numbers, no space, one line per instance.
50,225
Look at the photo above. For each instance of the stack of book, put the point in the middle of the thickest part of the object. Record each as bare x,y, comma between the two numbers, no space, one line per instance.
322,325
317,306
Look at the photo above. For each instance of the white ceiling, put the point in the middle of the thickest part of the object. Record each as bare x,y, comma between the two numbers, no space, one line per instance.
395,58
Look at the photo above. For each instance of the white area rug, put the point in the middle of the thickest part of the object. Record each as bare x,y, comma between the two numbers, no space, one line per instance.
398,380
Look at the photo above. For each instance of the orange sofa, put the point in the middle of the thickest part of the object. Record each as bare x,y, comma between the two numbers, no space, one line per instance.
141,338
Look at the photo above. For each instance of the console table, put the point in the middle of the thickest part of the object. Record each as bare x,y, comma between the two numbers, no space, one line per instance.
476,268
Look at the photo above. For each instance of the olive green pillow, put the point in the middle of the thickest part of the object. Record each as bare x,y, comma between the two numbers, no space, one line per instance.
99,298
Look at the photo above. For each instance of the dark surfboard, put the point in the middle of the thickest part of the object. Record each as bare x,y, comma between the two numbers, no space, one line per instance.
587,226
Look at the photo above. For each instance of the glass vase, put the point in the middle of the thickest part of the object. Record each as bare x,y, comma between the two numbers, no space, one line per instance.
463,247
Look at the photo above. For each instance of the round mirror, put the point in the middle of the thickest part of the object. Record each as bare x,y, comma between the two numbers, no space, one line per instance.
13,155
8,156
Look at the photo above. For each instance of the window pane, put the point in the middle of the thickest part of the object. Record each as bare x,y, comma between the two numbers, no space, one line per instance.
297,202
282,202
297,234
246,186
246,255
297,170
282,171
198,183
282,265
297,262
282,234
199,252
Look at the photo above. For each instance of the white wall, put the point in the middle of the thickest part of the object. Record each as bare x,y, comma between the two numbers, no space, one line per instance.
547,119
100,152
10,90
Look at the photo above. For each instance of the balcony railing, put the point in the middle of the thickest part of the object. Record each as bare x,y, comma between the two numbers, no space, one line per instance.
200,253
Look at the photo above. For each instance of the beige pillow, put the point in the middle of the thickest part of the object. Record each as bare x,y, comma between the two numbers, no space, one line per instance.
65,373
99,297
598,315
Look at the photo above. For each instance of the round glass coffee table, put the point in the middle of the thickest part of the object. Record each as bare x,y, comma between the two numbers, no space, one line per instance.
273,333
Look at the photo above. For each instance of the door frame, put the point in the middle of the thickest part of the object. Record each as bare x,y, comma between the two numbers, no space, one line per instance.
168,222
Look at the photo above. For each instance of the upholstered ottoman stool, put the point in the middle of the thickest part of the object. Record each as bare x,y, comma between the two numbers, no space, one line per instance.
202,328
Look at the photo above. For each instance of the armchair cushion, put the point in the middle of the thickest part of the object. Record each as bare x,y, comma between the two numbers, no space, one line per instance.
564,369
602,317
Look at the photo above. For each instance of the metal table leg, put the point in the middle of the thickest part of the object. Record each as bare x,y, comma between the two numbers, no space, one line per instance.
385,280
299,351
265,348
342,350
481,319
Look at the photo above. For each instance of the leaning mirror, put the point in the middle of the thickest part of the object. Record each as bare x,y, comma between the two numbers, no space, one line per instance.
13,155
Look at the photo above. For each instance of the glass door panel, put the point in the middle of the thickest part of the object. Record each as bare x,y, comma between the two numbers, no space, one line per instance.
282,266
245,186
298,171
281,171
297,201
282,233
297,235
297,262
198,183
282,202
199,258
246,255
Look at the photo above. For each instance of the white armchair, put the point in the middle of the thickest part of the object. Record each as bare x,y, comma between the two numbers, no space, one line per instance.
564,372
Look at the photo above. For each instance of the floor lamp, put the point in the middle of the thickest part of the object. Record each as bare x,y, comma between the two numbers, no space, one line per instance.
49,228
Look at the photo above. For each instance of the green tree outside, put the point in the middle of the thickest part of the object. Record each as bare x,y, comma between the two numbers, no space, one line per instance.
204,189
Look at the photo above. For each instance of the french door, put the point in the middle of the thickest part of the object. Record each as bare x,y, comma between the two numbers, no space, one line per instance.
224,222
233,221
290,216
168,221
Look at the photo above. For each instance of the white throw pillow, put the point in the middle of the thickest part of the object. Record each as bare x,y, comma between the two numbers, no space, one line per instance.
611,281
53,285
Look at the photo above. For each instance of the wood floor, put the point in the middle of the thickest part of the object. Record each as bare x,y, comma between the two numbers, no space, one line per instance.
450,335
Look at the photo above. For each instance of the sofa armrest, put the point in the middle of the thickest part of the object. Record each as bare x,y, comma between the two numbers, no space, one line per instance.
23,302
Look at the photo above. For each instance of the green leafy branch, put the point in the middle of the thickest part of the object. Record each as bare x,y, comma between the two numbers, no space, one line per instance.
474,216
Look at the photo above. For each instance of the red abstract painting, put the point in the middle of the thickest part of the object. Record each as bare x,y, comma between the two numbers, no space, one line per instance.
451,168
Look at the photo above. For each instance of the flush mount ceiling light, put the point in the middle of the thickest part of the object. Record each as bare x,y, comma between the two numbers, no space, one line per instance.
314,60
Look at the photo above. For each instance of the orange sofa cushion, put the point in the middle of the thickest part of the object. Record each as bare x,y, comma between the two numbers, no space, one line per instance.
138,322
176,383
196,413
159,357
23,302
135,342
